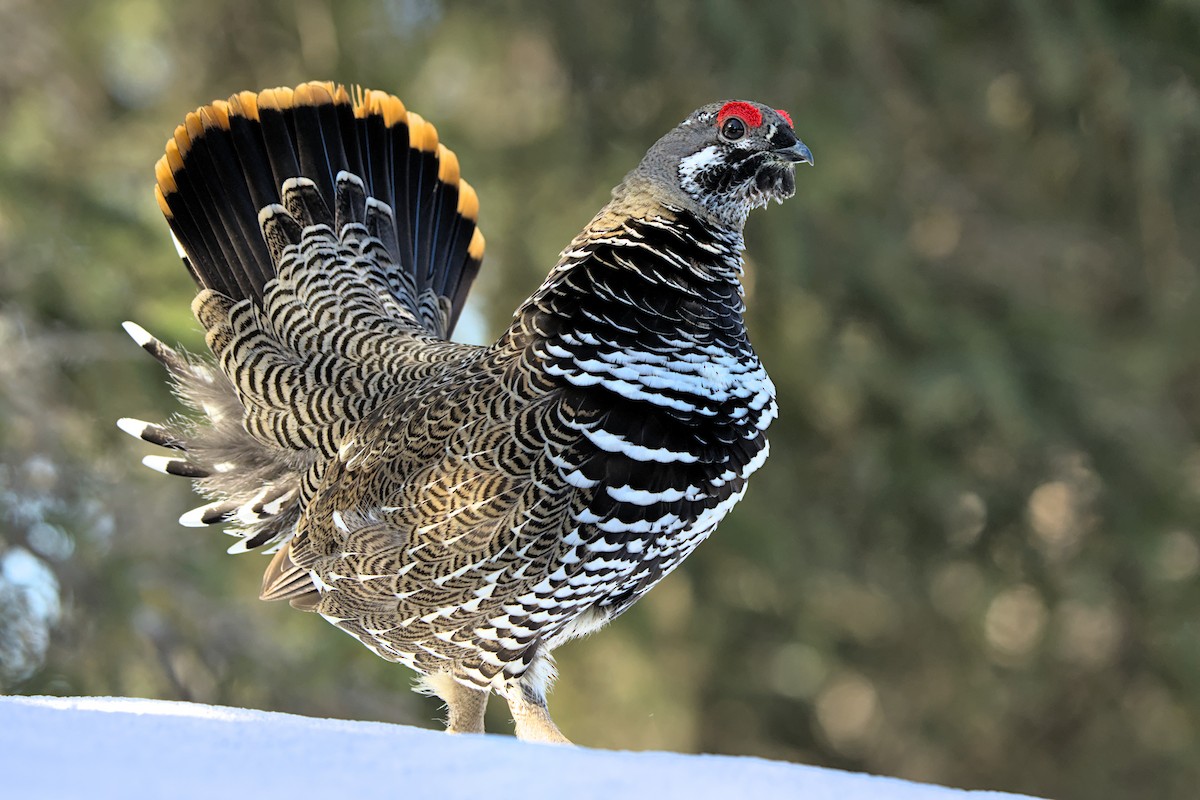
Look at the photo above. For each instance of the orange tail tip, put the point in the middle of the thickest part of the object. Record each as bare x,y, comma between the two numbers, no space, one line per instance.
468,201
246,105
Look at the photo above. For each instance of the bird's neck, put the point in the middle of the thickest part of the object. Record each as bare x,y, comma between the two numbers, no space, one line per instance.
647,307
642,266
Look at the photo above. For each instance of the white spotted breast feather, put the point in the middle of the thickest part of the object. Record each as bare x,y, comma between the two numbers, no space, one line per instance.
642,326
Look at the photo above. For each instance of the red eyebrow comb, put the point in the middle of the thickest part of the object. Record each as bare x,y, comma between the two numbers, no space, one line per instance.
743,111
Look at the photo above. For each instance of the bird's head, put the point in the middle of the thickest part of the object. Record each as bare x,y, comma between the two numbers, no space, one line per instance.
726,159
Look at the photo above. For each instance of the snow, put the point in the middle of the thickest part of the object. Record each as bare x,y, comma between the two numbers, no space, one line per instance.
111,747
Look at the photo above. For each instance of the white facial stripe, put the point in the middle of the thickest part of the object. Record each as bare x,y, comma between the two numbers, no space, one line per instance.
696,163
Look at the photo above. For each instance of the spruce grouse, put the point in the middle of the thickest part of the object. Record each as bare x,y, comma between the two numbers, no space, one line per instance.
462,510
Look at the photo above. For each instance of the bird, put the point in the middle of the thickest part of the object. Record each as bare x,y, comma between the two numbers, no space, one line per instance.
460,509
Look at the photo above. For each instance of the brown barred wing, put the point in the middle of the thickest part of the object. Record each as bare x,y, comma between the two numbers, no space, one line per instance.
440,512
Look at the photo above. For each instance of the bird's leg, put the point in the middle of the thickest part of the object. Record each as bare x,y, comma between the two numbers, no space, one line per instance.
465,704
528,706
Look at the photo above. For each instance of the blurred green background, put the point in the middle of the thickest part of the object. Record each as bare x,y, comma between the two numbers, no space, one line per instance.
973,556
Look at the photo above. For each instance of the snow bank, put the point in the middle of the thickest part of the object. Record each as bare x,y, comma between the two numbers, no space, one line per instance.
106,747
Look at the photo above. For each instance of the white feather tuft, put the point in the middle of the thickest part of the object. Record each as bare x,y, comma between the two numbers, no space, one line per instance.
195,517
137,333
159,463
134,427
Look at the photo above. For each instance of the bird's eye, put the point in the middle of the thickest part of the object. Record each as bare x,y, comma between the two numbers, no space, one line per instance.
733,129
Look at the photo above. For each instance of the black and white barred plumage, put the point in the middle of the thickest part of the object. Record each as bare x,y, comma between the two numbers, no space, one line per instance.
462,510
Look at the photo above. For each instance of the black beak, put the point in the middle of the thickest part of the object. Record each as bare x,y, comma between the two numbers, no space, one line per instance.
798,153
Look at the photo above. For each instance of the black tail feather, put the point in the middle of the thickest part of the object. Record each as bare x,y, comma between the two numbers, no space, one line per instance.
230,160
232,208
317,144
278,135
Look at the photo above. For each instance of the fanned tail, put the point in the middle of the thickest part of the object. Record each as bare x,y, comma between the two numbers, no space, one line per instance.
330,233
230,160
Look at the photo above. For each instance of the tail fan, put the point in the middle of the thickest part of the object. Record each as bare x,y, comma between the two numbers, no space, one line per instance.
364,159
332,237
